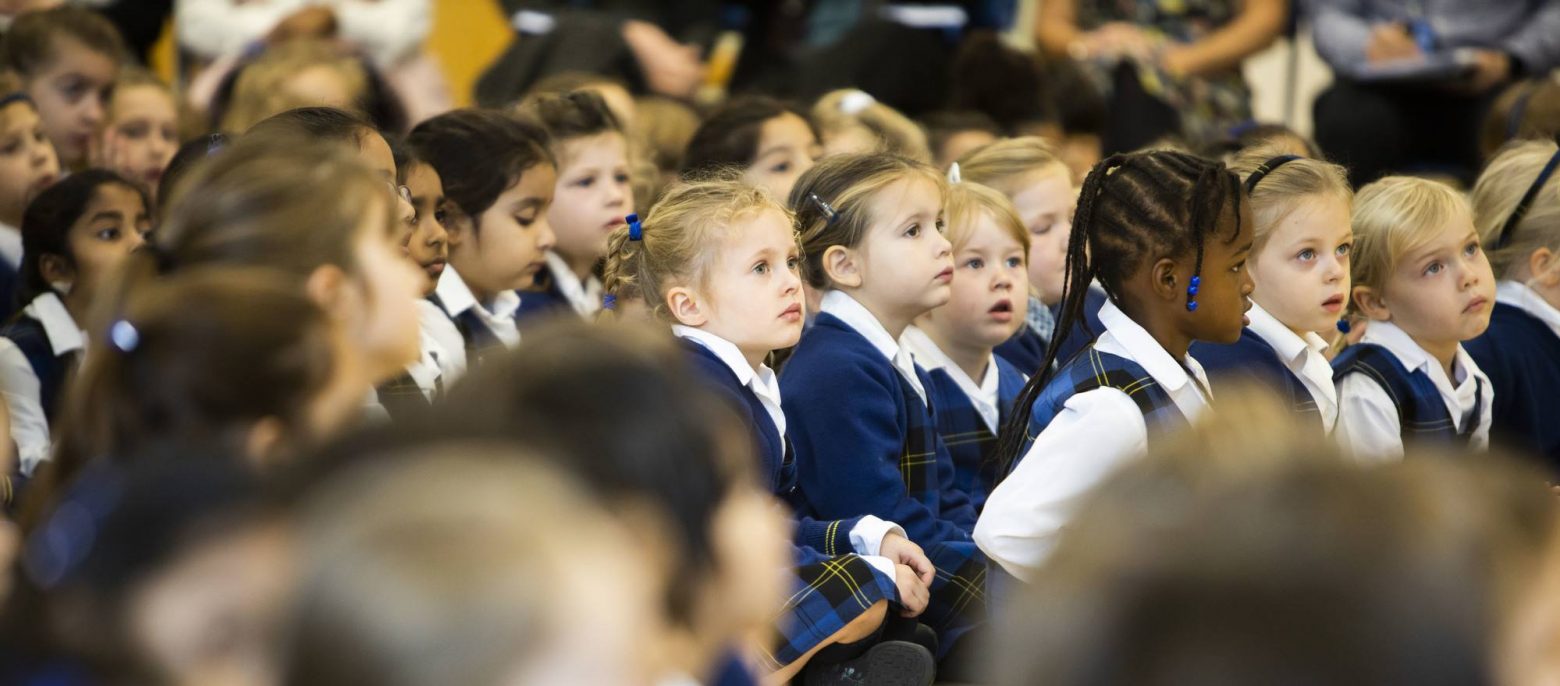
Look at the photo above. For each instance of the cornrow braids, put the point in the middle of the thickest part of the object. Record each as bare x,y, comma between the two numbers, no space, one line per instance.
1132,208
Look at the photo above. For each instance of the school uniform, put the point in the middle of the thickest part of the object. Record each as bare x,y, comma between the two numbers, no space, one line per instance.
1520,353
1391,392
839,574
39,351
1268,353
10,270
866,443
414,392
484,328
1026,349
970,414
558,290
1096,414
1085,330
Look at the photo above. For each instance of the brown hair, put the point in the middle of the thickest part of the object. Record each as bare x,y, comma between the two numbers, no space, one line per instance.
966,202
679,239
846,183
839,111
1526,110
1496,194
1393,216
32,40
1003,165
258,91
569,116
1280,191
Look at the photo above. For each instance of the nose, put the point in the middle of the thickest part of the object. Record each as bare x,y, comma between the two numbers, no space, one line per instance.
136,241
545,238
943,247
92,110
618,193
1247,284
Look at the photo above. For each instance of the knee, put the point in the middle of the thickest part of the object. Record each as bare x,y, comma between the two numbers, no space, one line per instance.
866,623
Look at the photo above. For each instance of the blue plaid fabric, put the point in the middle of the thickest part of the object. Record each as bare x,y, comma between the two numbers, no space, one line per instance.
828,594
52,371
1091,370
1252,359
970,443
1422,414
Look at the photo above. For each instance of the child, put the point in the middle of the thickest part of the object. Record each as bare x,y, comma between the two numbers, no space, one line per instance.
592,197
852,121
189,155
426,244
499,179
719,261
28,166
1167,235
1426,286
952,134
1300,265
142,131
772,143
67,58
1028,171
333,126
315,214
1517,209
954,343
74,237
300,73
856,406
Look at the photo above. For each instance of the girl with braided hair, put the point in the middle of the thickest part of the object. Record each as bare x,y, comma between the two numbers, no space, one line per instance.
1167,235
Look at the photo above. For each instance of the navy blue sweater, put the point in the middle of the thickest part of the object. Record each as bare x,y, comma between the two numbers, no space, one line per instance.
1252,359
970,443
1521,355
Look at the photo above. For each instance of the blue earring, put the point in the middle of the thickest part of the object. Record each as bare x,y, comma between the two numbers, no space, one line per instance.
1191,294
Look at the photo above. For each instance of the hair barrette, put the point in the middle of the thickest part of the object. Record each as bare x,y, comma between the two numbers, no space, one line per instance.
1344,326
855,102
1266,168
954,175
609,302
123,337
830,215
636,231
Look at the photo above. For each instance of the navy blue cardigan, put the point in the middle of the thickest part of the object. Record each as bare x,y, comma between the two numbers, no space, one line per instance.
1521,355
1026,349
970,443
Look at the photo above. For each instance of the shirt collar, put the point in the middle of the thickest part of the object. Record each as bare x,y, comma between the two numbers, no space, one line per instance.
1401,345
762,381
425,371
584,297
858,317
982,395
457,298
1141,346
64,335
1291,348
1524,298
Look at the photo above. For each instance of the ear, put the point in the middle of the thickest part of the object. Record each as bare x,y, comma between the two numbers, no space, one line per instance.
327,286
685,307
1544,267
1371,304
261,443
843,266
1164,280
55,268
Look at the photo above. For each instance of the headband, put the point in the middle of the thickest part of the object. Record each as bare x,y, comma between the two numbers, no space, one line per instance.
1266,168
1526,203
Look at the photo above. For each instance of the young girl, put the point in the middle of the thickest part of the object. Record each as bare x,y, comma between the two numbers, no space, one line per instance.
954,343
74,237
772,143
28,166
499,179
1028,171
1516,206
1426,286
315,214
1300,265
426,244
856,406
1167,235
299,73
67,58
852,121
592,197
142,131
719,260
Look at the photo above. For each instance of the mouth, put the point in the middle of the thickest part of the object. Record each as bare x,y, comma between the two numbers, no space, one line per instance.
1244,319
1002,311
1476,305
435,268
44,182
945,275
1334,304
792,313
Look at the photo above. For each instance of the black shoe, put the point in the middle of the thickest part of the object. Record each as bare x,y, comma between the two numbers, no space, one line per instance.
907,629
890,663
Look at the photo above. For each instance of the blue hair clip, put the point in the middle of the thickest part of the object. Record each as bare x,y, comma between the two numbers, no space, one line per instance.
1344,326
636,231
830,215
123,337
1191,294
609,302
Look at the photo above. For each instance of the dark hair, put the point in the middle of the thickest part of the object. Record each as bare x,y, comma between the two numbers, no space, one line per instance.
999,81
190,154
1079,106
1132,207
406,157
30,43
619,408
943,125
1253,134
571,115
319,123
47,221
729,137
479,154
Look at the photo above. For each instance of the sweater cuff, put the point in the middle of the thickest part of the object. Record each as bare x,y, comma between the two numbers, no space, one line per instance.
866,537
830,538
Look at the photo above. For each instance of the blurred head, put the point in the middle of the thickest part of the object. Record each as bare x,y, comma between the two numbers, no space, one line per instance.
144,119
298,73
772,143
28,164
76,234
67,58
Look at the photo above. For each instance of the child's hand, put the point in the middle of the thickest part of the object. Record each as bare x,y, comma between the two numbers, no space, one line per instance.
913,595
903,551
109,151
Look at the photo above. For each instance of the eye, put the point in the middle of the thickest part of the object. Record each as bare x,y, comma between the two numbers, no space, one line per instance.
975,263
793,263
1306,255
942,227
621,178
441,214
1471,249
913,232
1345,250
781,168
1434,268
11,147
525,221
585,182
1238,267
1015,262
137,130
109,235
761,268
1041,230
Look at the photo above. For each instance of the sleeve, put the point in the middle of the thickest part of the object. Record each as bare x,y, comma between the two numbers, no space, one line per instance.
29,425
832,537
387,30
1342,29
1368,426
953,503
1095,433
866,537
213,28
848,445
448,346
1537,44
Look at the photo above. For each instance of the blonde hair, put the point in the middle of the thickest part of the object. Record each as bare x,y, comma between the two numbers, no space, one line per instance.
840,111
965,203
1007,163
846,184
259,91
1280,191
679,239
1394,216
1502,185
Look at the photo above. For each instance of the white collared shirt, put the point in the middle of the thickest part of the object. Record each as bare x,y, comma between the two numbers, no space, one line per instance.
19,383
1305,357
440,336
498,315
983,395
1095,433
11,245
1368,419
1520,296
426,371
585,297
867,536
858,317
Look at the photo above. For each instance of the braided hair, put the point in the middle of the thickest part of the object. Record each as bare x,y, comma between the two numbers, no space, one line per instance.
1132,208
